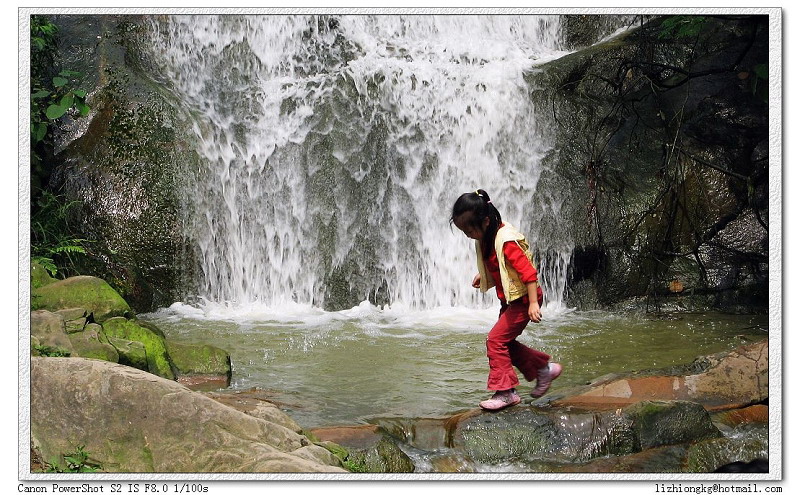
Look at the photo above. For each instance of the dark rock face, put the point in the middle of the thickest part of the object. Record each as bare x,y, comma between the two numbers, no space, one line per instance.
661,146
122,162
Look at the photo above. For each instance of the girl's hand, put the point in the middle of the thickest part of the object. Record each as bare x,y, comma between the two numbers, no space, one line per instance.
534,312
476,282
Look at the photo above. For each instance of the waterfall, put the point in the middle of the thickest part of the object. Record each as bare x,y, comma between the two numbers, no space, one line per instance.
333,148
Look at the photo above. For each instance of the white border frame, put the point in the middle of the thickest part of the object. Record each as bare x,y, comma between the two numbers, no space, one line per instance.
775,254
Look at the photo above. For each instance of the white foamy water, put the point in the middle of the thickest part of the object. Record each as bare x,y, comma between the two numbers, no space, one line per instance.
333,148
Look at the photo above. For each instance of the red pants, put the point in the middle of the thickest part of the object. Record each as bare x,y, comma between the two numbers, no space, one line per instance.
504,351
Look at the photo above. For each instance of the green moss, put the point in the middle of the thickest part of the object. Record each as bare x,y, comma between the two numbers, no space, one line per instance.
91,293
39,276
158,361
199,359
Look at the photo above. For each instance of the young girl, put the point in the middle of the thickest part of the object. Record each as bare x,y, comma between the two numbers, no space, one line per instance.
504,262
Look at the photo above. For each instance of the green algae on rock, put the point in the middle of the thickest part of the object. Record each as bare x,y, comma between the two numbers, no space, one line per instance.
83,291
158,361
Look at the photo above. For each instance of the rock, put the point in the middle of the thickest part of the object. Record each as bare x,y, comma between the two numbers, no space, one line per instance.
668,459
39,276
131,353
92,343
532,434
255,403
50,332
658,423
317,454
707,456
369,449
200,363
726,380
753,414
91,293
158,361
75,319
132,421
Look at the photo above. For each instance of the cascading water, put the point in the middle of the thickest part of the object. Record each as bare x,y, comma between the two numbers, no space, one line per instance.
333,148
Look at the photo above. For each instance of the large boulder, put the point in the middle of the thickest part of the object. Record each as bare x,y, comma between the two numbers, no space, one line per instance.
132,421
256,403
726,380
90,293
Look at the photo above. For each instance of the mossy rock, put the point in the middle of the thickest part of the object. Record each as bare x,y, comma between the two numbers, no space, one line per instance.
709,455
657,423
92,343
39,276
158,361
199,359
131,353
384,457
90,293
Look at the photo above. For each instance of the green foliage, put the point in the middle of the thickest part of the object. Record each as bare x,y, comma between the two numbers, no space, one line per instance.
54,94
74,462
681,26
354,467
53,245
46,350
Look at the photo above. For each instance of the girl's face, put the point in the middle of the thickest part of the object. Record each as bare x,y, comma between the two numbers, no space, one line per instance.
465,225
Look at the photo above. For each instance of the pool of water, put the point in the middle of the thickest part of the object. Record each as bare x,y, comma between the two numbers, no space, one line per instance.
348,367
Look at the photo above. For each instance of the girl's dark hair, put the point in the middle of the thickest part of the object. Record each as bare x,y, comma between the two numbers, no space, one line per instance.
480,205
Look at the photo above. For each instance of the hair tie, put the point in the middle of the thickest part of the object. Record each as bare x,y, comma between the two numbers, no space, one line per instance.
478,193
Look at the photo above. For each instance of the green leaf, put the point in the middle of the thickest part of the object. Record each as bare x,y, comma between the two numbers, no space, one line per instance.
55,111
83,108
39,131
67,100
79,93
70,73
59,82
761,71
40,94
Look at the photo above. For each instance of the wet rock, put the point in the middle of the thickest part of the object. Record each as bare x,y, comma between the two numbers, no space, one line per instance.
753,414
90,293
657,423
133,421
669,459
200,364
369,449
720,381
744,443
530,433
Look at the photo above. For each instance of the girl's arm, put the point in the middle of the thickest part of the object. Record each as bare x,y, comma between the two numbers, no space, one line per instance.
534,311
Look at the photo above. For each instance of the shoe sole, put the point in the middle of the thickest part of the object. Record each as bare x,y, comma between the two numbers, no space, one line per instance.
519,399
